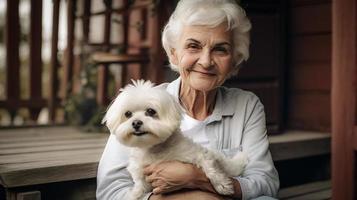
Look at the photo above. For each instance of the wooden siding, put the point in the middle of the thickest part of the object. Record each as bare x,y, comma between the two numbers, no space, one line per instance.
309,74
263,73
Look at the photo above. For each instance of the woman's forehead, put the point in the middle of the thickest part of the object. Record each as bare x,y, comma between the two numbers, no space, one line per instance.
203,33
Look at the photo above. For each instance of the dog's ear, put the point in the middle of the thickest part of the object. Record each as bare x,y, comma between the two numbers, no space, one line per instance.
175,110
113,117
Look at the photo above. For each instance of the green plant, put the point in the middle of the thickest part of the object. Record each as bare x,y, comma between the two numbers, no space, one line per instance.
81,109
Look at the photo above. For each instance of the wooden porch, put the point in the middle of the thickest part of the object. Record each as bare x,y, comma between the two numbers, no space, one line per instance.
309,94
61,162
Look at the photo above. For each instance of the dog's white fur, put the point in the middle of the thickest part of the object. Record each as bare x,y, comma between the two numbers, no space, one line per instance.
159,138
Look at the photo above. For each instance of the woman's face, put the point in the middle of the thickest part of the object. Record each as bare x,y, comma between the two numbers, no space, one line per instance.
204,56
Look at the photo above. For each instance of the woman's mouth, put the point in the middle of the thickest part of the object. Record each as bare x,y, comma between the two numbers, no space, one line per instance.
204,73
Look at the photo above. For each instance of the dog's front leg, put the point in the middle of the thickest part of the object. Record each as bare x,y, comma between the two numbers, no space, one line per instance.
140,186
219,180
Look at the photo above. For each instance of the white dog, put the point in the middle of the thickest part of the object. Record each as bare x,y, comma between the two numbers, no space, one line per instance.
148,119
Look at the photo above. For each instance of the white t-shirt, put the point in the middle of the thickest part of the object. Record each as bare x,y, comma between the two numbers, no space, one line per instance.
194,129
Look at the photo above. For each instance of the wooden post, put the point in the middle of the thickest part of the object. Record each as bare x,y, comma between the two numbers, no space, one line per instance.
86,21
103,70
155,70
53,71
343,96
68,62
35,55
12,39
125,27
134,70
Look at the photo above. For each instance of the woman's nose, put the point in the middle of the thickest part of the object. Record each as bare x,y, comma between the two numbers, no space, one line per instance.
205,59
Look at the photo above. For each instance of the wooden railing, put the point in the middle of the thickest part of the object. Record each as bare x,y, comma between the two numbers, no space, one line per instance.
142,56
36,101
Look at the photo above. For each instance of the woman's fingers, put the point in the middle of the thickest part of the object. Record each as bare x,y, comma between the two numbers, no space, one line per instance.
149,179
157,190
149,169
157,183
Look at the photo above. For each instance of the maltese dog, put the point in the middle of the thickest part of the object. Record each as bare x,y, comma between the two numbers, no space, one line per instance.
148,119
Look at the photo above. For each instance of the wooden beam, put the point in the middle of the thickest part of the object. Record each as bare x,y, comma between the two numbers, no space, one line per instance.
53,71
35,55
27,103
12,40
343,98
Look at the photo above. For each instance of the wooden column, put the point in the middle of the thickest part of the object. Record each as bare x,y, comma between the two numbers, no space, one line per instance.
103,70
125,27
35,55
68,62
159,16
12,39
343,99
86,21
53,71
135,36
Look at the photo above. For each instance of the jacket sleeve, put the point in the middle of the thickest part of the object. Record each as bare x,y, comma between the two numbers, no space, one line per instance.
260,176
113,180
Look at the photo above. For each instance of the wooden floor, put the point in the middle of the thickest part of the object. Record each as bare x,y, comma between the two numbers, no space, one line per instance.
35,156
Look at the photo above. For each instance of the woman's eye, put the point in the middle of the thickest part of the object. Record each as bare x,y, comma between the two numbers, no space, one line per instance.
220,50
193,46
150,112
128,114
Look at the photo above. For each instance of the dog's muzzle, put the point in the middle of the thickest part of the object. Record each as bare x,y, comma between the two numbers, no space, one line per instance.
136,124
139,133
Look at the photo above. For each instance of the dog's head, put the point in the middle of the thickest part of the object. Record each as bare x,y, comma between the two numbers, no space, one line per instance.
143,115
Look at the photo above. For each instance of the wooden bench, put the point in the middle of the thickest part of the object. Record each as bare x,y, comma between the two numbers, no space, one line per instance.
61,162
31,157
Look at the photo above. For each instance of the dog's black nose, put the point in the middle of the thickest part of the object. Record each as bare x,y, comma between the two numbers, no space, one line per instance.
136,124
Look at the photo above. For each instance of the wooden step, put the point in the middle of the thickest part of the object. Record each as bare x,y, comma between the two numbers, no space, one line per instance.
312,191
294,144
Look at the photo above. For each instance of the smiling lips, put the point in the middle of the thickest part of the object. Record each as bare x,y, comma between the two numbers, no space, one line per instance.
204,73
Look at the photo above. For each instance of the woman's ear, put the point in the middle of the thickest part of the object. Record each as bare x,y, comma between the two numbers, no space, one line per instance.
173,57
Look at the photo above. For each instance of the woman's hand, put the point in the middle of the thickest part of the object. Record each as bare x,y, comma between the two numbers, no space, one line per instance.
174,175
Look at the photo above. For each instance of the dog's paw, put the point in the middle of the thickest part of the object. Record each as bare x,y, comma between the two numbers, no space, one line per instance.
136,193
225,188
241,158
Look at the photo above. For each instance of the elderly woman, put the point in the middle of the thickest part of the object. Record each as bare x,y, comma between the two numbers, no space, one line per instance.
205,41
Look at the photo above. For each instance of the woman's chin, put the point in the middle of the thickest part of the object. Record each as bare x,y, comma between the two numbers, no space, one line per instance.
203,84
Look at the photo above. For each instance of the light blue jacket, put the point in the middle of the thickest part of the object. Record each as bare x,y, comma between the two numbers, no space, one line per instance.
237,123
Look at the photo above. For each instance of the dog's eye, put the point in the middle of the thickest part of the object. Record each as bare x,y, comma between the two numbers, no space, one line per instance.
150,112
128,114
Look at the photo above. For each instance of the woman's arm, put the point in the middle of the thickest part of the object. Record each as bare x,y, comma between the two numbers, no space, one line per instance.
260,176
113,179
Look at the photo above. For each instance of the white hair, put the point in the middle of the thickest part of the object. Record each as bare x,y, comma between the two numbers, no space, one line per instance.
209,13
